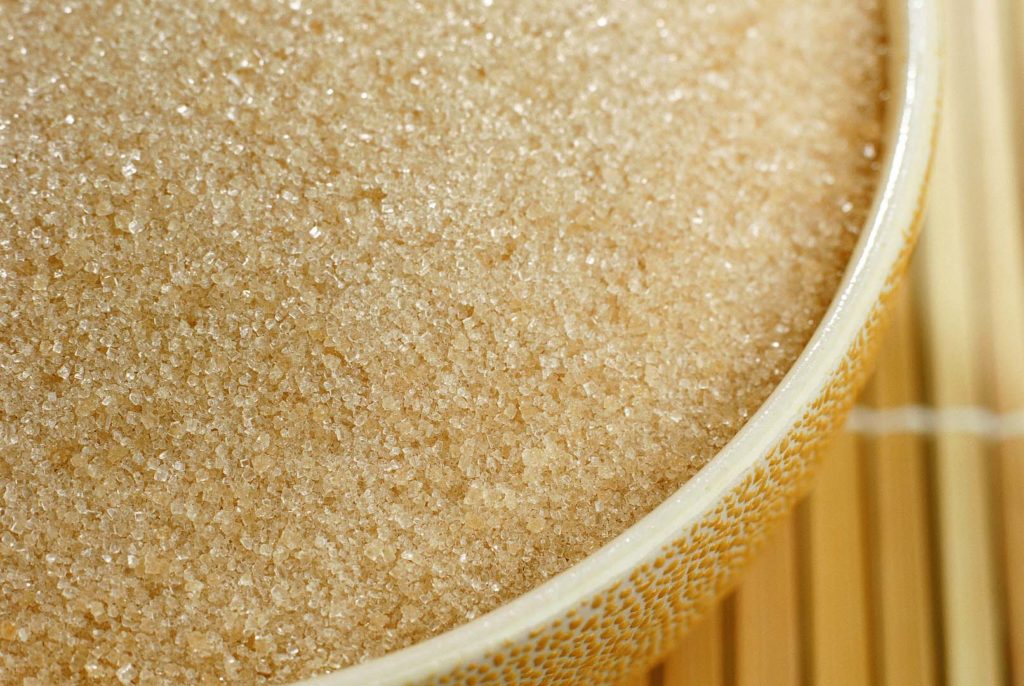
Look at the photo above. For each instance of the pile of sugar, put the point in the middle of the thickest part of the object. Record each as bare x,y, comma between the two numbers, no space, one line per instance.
327,325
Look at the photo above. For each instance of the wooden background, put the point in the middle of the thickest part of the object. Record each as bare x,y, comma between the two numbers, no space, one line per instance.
905,565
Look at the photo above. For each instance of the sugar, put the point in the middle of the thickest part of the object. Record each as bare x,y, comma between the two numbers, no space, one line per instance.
327,326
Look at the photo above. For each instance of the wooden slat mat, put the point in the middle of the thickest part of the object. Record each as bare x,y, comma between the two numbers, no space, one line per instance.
905,565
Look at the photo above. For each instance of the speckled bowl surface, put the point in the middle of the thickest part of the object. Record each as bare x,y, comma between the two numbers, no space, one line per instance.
625,604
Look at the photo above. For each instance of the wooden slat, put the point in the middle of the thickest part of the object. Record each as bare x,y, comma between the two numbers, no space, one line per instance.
905,642
968,591
1011,479
971,617
767,616
699,658
836,570
1001,254
1016,82
641,679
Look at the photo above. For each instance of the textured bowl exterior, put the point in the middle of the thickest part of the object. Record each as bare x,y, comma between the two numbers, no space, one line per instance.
624,606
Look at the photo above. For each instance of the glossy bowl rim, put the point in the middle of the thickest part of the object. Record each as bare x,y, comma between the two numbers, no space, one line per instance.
912,120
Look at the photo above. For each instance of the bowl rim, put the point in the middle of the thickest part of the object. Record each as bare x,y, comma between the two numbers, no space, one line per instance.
912,121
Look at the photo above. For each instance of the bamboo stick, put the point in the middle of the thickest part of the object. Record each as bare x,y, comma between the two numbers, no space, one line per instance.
1011,478
971,617
699,659
1003,275
836,570
1016,39
767,616
640,679
905,643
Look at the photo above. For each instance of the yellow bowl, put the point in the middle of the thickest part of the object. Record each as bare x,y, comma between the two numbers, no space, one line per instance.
624,605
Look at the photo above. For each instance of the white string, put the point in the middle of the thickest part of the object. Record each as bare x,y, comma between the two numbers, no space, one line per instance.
918,419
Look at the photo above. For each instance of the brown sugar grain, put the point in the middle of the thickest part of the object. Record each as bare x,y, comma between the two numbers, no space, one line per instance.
328,325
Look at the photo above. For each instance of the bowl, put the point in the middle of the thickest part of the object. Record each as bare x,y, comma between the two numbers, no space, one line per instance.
623,606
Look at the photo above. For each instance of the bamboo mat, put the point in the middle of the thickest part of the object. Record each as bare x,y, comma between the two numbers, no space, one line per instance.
905,565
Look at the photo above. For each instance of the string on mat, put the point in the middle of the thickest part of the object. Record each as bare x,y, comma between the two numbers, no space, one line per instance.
925,420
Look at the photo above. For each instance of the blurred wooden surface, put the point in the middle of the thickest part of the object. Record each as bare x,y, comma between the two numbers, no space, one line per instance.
905,565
